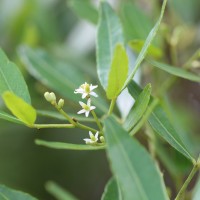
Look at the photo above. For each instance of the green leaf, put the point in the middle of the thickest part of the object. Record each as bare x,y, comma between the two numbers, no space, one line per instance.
196,191
56,74
137,174
68,146
11,79
10,118
118,72
162,125
146,46
10,194
175,71
111,191
23,111
84,9
152,51
58,192
138,108
56,115
109,34
134,28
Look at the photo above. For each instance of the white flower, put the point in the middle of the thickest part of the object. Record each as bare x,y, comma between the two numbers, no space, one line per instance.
86,90
93,138
86,108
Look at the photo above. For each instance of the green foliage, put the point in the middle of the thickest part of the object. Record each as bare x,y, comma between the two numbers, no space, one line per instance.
10,194
162,125
153,51
11,79
111,191
109,34
68,146
118,72
175,71
10,118
23,111
138,108
133,161
127,158
84,9
146,46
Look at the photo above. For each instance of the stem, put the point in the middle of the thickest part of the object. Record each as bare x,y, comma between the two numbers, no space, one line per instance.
97,120
75,124
189,178
112,104
62,112
39,126
86,127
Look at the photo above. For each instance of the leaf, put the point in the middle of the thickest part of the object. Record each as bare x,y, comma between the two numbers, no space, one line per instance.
134,28
109,34
152,51
162,125
23,111
84,9
54,114
118,72
11,79
10,118
175,71
138,108
146,46
68,146
10,194
111,191
137,174
58,75
58,192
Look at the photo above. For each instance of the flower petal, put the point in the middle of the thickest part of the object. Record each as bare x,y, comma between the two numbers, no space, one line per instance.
81,103
92,87
92,107
84,95
81,111
93,94
87,113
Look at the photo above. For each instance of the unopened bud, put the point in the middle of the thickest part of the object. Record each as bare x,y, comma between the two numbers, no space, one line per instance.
50,97
102,139
61,103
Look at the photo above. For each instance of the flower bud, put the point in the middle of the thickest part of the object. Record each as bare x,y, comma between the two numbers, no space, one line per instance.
102,139
61,103
50,97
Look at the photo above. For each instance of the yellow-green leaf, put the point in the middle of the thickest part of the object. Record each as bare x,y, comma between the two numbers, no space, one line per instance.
152,51
22,110
118,72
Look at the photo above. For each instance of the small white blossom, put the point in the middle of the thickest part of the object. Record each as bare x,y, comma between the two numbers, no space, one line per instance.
86,107
93,138
86,90
50,97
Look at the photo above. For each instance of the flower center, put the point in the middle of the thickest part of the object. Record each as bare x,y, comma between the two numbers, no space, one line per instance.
86,107
87,88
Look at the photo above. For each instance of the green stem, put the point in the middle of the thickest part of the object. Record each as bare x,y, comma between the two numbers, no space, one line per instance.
97,120
112,104
39,126
86,127
75,124
181,193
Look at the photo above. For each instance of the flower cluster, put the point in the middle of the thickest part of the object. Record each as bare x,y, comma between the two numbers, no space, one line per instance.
86,90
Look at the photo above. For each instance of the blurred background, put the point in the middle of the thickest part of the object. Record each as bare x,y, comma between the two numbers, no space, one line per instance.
65,30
